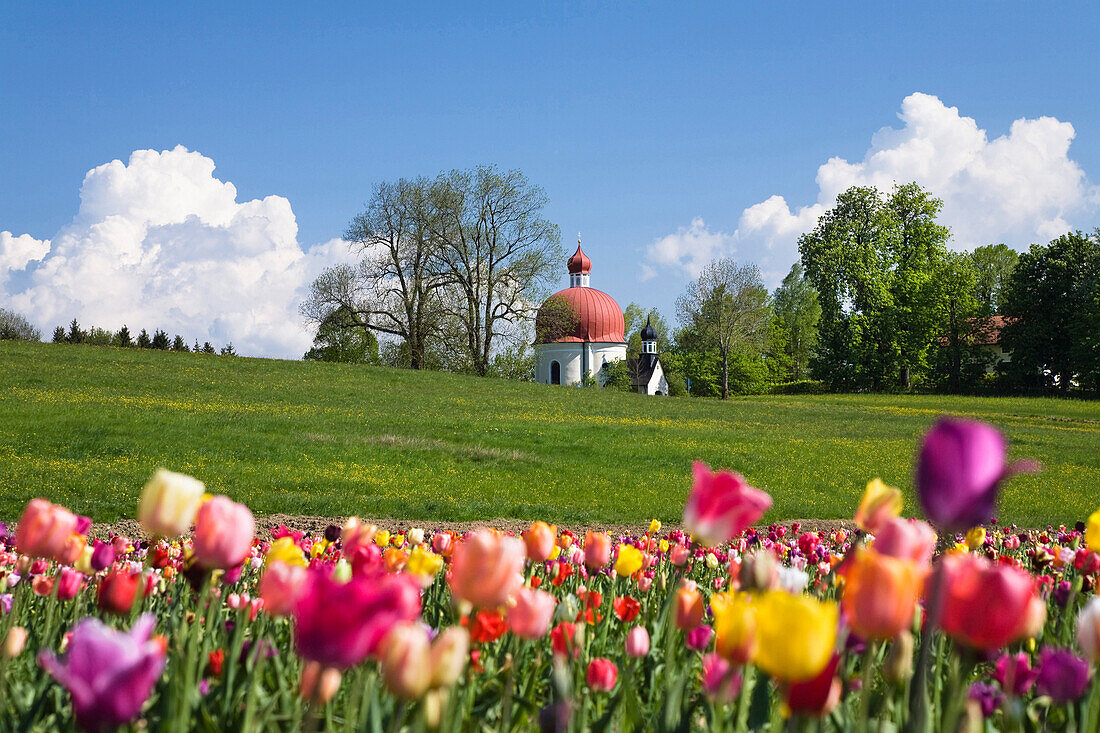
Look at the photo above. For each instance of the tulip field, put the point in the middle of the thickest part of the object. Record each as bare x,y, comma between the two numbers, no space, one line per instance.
949,620
86,426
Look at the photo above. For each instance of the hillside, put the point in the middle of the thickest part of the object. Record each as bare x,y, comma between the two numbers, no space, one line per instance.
85,426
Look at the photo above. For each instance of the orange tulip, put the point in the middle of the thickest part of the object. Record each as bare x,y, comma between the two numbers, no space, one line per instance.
689,608
540,539
881,594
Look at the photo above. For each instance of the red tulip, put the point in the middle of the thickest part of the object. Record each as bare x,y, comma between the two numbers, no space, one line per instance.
487,568
819,695
487,626
987,605
721,505
602,674
564,641
626,608
117,590
223,533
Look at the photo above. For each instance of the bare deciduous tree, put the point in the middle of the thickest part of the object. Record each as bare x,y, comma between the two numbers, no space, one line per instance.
727,305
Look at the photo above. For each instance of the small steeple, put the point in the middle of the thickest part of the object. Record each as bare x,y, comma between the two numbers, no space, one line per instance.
579,267
649,337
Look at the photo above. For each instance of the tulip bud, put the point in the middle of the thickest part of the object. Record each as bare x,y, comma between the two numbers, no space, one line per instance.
602,674
168,503
541,541
319,684
406,660
597,550
567,609
448,656
689,608
898,666
13,644
433,705
224,531
759,571
637,642
103,556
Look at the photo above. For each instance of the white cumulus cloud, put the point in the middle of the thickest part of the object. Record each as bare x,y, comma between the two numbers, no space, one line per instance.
1020,187
160,242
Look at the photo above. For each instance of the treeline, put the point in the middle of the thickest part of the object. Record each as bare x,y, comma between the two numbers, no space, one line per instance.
123,339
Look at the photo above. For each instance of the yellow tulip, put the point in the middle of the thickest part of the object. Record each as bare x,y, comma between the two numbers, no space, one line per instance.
629,561
398,540
796,635
654,526
424,562
734,626
663,545
975,538
555,552
880,504
1092,531
284,550
382,538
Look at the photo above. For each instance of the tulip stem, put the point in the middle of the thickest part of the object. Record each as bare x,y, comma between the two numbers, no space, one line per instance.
918,687
868,677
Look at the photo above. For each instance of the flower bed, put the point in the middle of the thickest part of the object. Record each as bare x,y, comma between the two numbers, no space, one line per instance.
724,627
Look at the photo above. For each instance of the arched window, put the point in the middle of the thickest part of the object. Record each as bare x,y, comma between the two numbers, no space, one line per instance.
555,373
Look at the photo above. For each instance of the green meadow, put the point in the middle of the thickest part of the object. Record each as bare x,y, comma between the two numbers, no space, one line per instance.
85,426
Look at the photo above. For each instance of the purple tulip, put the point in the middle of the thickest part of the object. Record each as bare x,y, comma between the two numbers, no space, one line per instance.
988,698
698,639
1062,675
103,556
109,674
959,471
1015,672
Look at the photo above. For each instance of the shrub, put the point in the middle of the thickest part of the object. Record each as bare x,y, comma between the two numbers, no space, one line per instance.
801,386
15,327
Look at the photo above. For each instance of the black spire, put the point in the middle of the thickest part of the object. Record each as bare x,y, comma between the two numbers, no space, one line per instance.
649,333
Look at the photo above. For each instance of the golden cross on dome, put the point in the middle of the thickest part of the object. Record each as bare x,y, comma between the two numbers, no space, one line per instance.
578,239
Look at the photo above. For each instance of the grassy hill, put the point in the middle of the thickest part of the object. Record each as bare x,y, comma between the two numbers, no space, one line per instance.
86,426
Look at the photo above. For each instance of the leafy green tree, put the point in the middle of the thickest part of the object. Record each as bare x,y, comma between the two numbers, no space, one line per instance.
873,262
178,344
727,307
795,325
122,339
556,319
958,362
143,340
15,327
635,317
336,340
1052,310
515,361
993,265
160,340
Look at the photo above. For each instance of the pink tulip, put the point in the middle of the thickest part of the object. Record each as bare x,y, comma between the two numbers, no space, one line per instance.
532,613
487,568
108,673
602,674
280,587
721,682
698,639
679,555
906,539
637,642
223,533
68,584
721,505
319,684
406,660
340,624
597,550
46,530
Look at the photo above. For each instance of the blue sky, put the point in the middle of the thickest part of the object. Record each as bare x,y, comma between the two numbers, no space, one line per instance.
637,119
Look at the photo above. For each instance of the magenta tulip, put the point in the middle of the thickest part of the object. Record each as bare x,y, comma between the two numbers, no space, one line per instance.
109,674
721,505
340,624
959,472
1063,676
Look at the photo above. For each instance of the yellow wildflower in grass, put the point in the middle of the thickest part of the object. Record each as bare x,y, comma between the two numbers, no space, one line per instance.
424,562
284,550
629,561
880,503
382,537
796,635
1092,531
975,538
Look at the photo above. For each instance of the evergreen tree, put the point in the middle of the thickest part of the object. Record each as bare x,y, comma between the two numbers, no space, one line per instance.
196,348
160,340
59,335
207,348
143,340
75,334
123,339
178,344
227,350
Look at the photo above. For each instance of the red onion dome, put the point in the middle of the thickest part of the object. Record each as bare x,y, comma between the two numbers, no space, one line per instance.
579,262
599,317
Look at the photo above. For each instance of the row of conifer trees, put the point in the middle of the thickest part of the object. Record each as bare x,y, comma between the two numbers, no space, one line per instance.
122,338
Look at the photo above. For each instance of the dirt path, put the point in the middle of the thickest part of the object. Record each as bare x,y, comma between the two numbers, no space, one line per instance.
316,525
